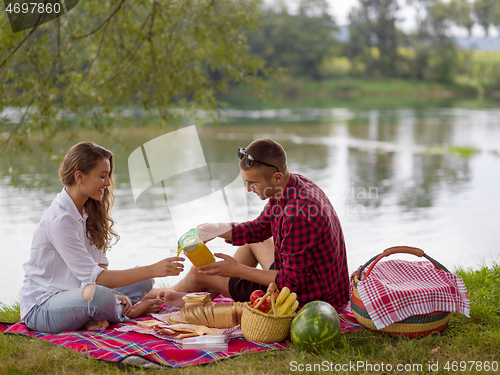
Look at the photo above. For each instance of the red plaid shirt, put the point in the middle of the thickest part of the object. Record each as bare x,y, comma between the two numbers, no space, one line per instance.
309,249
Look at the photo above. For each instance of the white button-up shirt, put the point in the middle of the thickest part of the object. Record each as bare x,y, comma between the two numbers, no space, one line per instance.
62,257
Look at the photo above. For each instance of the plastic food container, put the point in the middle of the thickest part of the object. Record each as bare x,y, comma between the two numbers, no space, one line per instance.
215,343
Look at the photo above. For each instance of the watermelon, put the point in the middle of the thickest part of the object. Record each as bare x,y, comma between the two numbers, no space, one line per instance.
316,325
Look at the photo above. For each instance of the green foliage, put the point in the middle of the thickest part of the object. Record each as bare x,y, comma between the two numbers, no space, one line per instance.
377,48
483,12
461,13
480,70
297,42
338,66
83,69
486,68
373,24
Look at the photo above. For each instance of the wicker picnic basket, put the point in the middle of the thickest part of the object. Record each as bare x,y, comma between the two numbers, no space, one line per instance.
413,326
259,326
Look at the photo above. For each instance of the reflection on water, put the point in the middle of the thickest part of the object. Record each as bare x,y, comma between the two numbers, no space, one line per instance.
419,177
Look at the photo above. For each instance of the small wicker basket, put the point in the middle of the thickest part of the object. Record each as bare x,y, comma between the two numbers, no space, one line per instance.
413,326
259,326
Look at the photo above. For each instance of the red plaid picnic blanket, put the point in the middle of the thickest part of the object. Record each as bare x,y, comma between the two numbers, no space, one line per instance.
137,348
119,344
398,289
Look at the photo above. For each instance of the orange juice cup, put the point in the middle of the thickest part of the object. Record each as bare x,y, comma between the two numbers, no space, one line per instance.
173,253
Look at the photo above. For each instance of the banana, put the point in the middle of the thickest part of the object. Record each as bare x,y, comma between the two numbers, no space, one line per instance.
279,311
293,308
290,300
285,292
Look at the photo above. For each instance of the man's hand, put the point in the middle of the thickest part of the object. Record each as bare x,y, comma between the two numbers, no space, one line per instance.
209,231
229,267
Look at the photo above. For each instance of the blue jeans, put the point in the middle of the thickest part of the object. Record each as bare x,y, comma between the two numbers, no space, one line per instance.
68,311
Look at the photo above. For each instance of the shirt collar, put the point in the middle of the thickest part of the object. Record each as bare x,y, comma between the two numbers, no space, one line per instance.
287,193
72,207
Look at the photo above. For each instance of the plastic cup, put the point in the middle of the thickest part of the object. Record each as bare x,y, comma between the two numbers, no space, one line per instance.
173,254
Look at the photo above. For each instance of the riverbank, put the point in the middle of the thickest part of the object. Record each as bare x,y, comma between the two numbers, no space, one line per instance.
361,93
466,345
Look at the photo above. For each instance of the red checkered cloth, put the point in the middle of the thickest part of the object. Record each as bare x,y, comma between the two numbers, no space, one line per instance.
230,333
118,344
398,289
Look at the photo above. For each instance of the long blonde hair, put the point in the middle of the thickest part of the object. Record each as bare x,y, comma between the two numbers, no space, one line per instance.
83,157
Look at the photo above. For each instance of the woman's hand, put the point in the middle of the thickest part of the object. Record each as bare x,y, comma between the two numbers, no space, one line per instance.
168,267
124,301
229,267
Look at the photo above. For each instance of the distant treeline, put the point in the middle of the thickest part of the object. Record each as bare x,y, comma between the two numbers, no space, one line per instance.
305,42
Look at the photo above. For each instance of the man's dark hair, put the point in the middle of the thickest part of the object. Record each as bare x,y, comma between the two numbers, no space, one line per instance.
267,151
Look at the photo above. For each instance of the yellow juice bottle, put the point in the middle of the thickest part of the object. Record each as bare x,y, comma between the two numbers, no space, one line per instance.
196,251
199,255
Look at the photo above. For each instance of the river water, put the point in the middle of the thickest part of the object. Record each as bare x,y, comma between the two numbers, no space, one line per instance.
427,178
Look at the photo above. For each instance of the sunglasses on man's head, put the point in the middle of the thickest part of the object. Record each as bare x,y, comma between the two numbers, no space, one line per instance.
250,159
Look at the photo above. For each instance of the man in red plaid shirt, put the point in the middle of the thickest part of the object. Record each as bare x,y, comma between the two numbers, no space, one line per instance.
297,239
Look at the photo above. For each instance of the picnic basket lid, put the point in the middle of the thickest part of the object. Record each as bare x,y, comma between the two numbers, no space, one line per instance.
413,326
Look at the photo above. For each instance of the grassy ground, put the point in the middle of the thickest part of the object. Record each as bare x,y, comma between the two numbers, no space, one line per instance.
466,345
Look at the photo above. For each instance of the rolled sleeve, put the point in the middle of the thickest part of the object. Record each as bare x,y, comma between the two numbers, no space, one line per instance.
257,230
99,256
64,236
95,272
104,260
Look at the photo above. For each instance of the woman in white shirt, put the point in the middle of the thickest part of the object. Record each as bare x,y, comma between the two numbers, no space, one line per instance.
67,284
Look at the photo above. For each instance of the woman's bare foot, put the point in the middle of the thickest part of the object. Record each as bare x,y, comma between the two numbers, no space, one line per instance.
146,307
171,297
95,325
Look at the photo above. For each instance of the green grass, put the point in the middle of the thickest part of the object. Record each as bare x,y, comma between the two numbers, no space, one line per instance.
352,87
477,77
464,339
359,93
